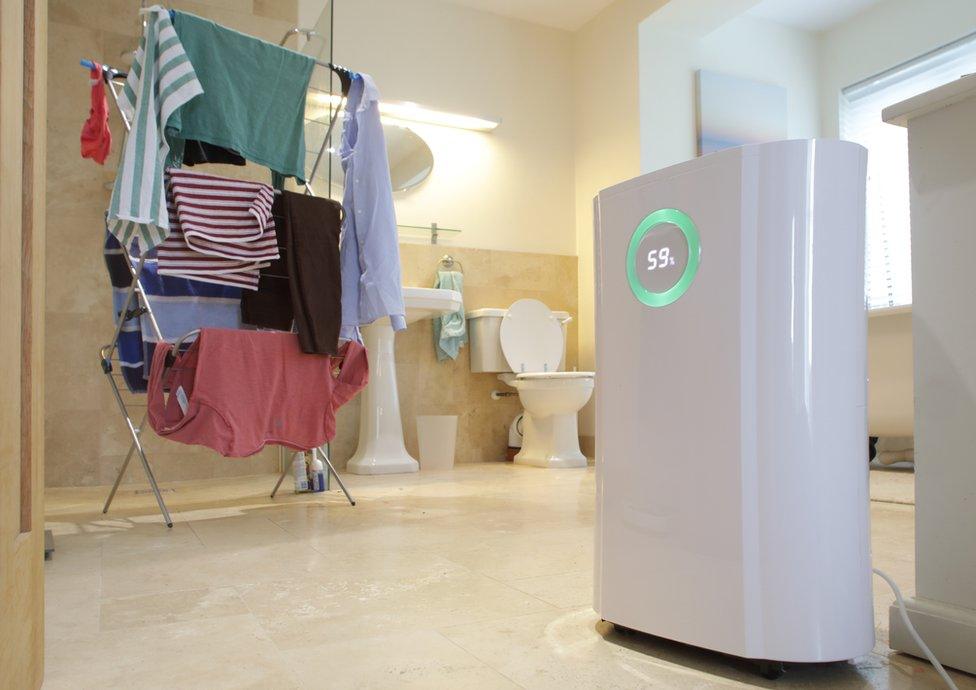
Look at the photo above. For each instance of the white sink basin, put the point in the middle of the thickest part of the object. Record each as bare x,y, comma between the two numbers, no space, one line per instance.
426,303
381,449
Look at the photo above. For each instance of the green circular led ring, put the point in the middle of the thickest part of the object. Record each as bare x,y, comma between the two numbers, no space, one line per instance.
687,227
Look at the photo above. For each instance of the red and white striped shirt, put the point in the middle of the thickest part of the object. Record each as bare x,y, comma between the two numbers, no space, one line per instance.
221,230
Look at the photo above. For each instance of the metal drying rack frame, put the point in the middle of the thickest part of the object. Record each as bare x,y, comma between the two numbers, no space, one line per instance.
138,300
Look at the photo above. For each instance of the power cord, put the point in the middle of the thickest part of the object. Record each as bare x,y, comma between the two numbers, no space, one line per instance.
914,633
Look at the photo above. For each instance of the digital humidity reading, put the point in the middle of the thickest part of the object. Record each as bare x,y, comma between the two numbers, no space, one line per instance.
663,257
659,258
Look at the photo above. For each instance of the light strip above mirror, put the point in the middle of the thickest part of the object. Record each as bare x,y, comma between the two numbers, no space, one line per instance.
411,112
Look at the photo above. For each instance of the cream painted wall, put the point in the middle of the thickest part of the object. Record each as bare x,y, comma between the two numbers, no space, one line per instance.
510,189
606,137
677,42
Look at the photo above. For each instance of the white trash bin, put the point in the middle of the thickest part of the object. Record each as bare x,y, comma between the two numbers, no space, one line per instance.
436,436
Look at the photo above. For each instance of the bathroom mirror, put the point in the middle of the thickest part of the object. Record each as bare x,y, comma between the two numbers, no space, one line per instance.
411,159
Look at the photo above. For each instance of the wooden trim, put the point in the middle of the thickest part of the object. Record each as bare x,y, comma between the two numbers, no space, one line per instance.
27,278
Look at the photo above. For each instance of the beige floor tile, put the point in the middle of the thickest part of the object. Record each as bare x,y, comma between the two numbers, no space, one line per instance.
71,612
424,659
220,653
170,607
893,485
368,602
564,590
530,554
239,532
202,568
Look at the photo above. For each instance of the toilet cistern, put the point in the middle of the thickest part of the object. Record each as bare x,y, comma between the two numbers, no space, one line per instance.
381,449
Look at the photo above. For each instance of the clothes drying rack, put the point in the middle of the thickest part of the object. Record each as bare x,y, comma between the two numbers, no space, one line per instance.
137,302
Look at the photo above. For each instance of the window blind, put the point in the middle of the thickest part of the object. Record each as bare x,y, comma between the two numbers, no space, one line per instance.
888,266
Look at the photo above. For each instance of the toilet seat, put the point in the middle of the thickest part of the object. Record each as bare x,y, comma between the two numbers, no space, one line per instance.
531,338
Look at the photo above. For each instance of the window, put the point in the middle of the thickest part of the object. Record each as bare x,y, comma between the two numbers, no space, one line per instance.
888,269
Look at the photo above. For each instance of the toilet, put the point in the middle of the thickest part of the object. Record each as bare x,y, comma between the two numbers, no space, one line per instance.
526,346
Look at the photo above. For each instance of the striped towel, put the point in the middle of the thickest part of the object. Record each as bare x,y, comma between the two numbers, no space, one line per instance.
222,230
161,80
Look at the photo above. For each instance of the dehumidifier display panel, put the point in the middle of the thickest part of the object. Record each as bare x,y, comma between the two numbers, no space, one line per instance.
663,257
668,410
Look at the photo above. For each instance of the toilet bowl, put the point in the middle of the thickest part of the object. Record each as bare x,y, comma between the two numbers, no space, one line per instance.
549,431
532,342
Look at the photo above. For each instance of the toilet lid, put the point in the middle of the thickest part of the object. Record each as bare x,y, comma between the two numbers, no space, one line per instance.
531,337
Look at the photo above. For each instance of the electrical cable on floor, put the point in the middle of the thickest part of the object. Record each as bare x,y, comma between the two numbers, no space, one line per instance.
914,633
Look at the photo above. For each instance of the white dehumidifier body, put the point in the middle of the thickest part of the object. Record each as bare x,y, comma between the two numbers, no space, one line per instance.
731,427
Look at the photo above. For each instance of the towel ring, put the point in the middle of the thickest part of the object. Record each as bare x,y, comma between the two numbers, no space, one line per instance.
447,261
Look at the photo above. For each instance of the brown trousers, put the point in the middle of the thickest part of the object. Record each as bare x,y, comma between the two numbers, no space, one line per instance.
303,285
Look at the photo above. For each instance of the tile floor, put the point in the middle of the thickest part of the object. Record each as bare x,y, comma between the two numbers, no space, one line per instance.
475,578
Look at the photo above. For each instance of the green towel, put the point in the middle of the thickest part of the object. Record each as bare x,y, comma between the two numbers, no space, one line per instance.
450,331
253,98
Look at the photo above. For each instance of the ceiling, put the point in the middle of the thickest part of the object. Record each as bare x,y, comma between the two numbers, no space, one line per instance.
560,14
811,15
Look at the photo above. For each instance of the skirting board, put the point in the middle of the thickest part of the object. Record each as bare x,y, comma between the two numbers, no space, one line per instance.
949,631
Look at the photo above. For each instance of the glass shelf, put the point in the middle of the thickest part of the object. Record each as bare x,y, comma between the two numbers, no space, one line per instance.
431,233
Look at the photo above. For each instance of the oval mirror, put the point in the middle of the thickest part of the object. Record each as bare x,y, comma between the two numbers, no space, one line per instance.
411,159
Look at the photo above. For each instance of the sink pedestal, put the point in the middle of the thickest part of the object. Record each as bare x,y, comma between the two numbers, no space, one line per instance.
381,449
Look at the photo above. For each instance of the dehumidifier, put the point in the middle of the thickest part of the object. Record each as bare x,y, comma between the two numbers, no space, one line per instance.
731,427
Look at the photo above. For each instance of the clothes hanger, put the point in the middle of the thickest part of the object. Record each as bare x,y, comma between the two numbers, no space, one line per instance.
344,74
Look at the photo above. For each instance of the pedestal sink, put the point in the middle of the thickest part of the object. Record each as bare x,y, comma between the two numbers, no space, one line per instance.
381,449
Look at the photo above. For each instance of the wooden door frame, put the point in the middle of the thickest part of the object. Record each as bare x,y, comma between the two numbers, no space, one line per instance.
23,67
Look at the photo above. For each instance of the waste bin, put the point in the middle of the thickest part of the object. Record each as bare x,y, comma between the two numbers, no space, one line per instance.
436,436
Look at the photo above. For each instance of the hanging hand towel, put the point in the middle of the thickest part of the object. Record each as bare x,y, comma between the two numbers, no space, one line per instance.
96,137
254,100
160,82
450,330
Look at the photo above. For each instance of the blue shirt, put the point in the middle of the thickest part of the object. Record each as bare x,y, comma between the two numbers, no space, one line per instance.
370,251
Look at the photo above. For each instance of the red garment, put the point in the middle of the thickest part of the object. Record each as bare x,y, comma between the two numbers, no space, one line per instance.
241,390
96,137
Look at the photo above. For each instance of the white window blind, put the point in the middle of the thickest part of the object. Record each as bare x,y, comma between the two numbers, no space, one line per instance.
888,269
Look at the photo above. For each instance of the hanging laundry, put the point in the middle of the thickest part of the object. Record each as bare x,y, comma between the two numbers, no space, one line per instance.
371,286
200,152
237,391
179,305
306,285
129,346
221,229
270,305
254,100
160,82
96,137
